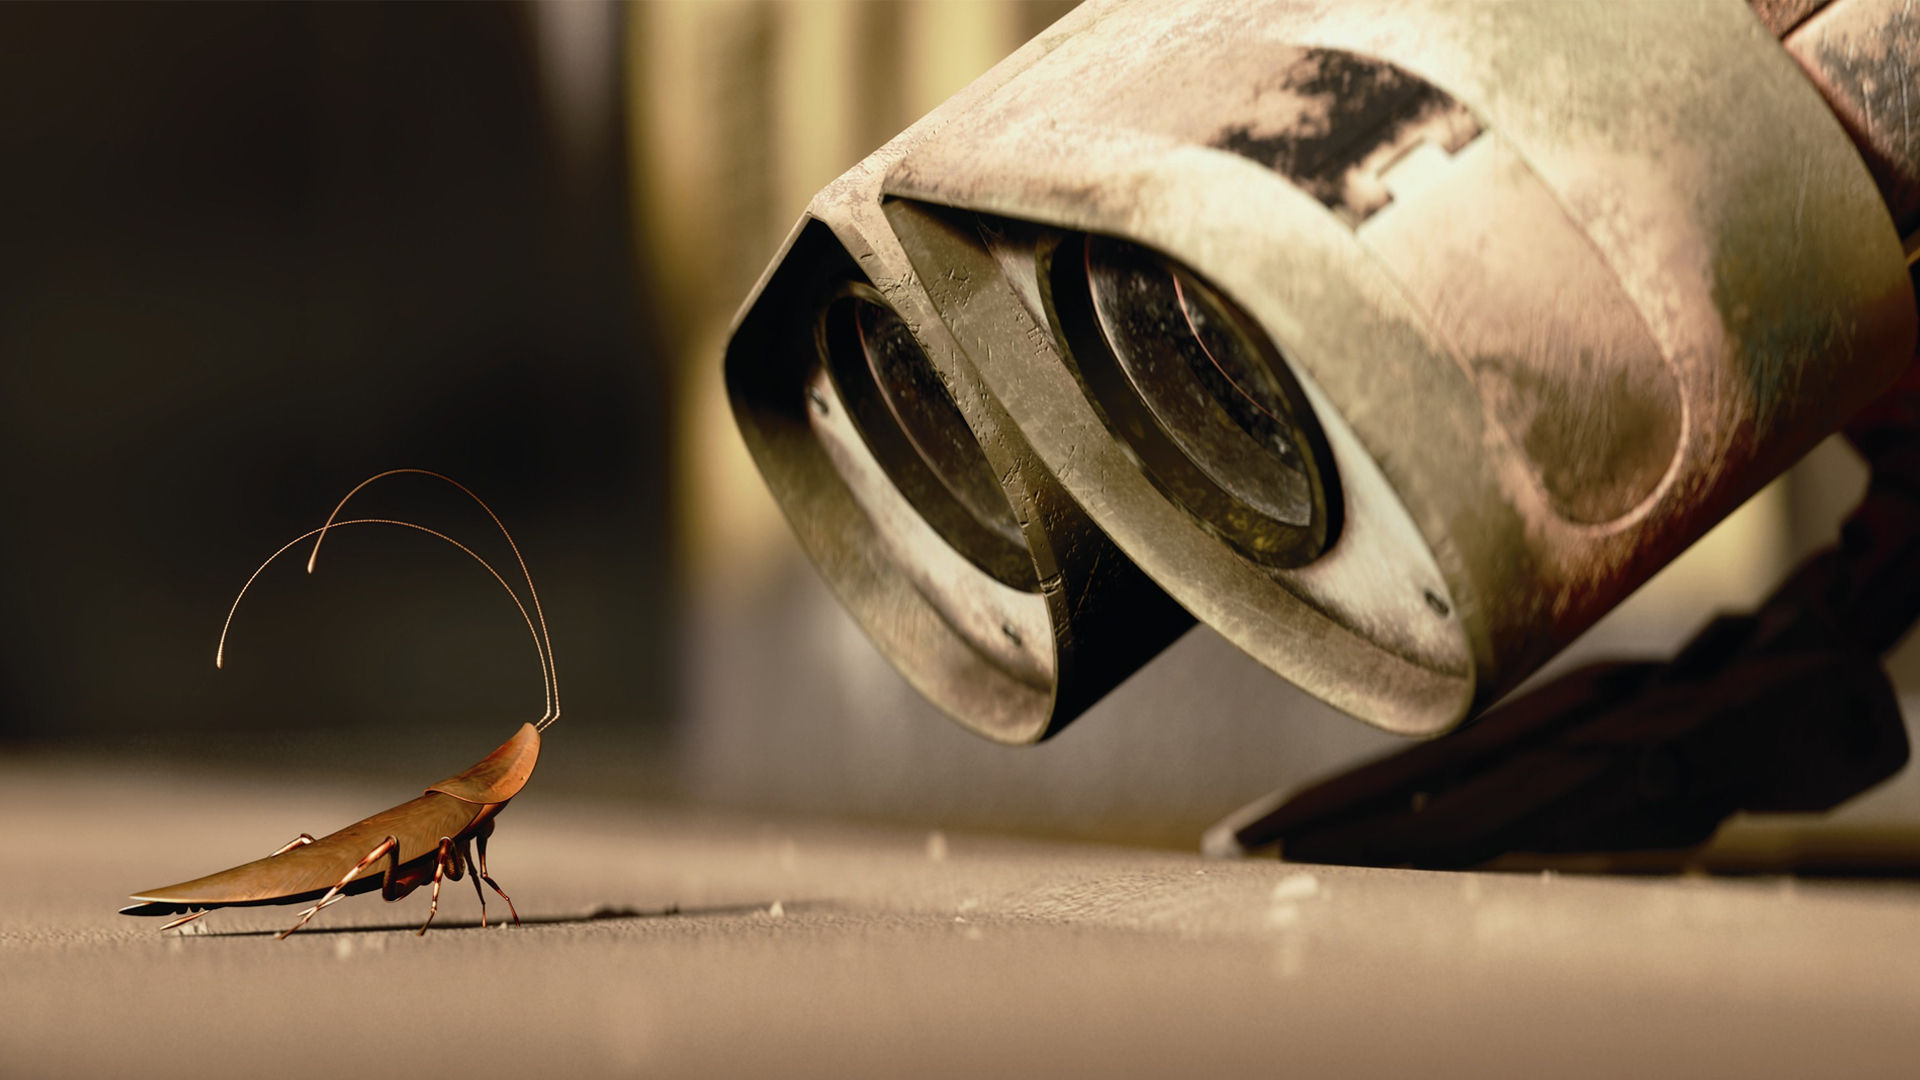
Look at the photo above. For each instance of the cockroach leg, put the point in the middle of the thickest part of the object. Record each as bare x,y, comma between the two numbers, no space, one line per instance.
488,878
330,901
387,847
299,841
308,913
440,860
466,856
185,919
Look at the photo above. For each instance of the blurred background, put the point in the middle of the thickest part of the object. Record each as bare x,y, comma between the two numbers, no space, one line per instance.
257,252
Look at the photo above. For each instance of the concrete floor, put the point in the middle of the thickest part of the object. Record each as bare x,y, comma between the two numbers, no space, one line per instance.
671,942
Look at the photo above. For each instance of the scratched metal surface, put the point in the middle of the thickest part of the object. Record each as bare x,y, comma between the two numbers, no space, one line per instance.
650,948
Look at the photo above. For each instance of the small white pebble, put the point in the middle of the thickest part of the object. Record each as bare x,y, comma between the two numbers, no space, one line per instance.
776,911
960,918
342,947
937,846
1295,887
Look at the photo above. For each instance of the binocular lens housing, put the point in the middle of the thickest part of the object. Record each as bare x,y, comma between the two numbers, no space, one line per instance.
1395,361
926,510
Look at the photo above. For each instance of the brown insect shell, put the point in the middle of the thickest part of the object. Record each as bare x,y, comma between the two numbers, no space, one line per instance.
454,807
500,775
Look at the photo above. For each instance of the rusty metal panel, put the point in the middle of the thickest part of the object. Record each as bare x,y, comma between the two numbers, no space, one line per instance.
1864,57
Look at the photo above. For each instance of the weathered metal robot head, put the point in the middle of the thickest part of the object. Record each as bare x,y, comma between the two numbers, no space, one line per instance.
1397,344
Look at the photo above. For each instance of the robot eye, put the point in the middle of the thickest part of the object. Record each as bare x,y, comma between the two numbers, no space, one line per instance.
908,417
1202,396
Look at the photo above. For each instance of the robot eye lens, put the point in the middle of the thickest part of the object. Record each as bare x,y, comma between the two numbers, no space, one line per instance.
919,403
1207,402
909,419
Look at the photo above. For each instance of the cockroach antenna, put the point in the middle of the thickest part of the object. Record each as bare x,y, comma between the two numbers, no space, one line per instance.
550,697
551,675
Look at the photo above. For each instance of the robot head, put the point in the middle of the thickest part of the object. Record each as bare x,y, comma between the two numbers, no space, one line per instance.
1396,345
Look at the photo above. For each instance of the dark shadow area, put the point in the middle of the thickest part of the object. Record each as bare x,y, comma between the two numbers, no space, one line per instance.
254,254
1808,849
600,914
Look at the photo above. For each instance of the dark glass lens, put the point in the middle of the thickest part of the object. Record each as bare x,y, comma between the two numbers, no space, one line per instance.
1206,401
909,419
1239,381
932,422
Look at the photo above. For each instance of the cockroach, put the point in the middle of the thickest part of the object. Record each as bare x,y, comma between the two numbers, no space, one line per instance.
396,851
